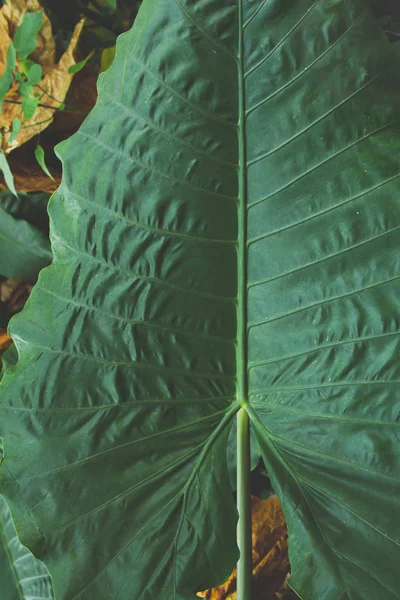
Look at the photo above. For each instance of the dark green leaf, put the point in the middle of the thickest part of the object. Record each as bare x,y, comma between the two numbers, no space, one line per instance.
8,359
8,176
22,576
25,36
40,157
80,65
29,207
226,234
23,249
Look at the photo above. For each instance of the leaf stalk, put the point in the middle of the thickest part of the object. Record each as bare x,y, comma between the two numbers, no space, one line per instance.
244,566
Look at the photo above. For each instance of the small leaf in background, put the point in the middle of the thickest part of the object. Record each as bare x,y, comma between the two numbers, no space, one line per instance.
29,106
11,58
80,65
26,65
7,77
16,128
107,58
269,553
8,176
25,89
35,74
39,154
25,36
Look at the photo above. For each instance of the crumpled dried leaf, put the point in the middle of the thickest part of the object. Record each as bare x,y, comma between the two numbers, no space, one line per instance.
28,176
5,341
14,293
56,81
270,553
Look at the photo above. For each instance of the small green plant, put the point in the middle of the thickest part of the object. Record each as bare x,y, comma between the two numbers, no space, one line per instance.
23,83
26,76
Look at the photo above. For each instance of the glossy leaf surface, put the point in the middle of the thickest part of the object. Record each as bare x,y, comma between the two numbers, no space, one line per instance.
22,576
227,231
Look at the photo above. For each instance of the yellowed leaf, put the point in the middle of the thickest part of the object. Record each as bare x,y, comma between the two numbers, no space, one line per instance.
56,81
269,552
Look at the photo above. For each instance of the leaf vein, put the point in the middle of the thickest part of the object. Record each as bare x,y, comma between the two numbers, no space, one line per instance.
333,298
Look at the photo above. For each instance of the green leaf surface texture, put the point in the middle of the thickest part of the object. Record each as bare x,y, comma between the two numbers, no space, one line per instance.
24,250
22,576
226,233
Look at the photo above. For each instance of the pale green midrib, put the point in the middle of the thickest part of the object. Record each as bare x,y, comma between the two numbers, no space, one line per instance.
244,565
241,358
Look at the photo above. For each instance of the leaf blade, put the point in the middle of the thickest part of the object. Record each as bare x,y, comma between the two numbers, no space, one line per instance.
313,395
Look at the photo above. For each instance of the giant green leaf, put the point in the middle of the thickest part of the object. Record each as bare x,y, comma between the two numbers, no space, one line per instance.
22,577
226,234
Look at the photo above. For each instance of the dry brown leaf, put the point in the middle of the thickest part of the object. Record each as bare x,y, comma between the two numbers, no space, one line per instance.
28,175
14,294
56,80
5,341
270,553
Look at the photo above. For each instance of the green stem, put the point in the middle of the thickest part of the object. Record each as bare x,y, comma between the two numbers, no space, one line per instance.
37,124
244,566
69,110
49,95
